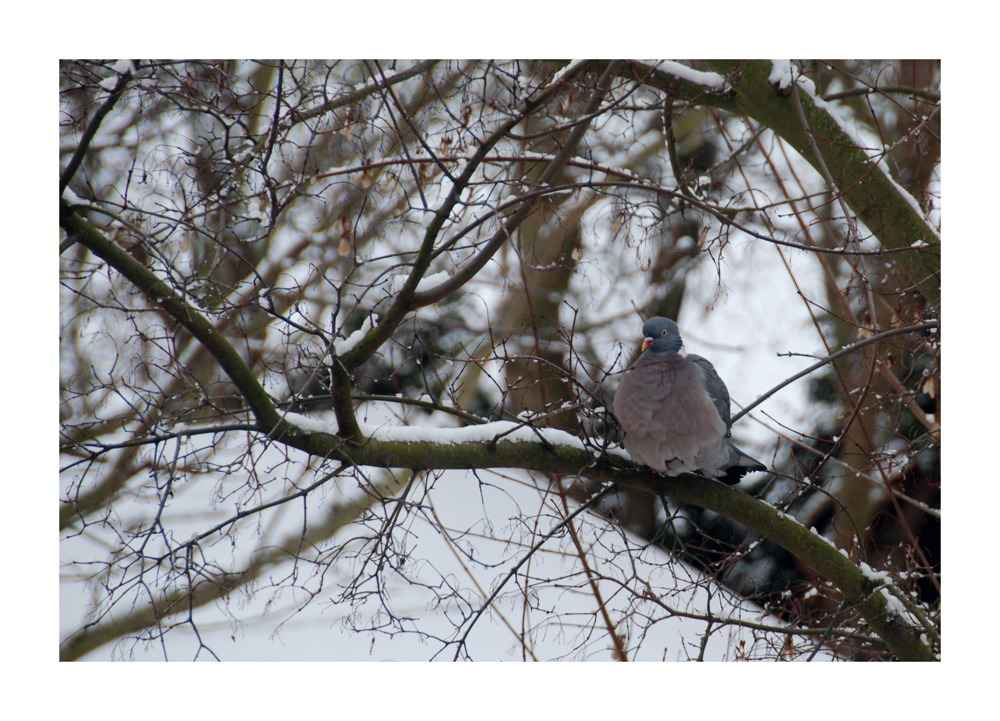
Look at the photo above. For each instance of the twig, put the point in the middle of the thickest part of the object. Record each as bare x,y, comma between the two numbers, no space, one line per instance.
850,348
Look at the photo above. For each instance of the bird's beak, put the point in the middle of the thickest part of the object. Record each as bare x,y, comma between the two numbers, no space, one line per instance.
646,342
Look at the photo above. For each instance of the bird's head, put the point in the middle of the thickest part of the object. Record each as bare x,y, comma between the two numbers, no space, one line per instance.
660,335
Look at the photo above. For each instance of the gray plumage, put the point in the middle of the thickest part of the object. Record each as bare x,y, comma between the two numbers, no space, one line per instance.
674,410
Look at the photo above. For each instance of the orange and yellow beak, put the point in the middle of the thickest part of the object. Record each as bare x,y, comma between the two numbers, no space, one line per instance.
646,342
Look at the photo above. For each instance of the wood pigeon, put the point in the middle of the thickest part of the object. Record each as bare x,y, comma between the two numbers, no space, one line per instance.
674,410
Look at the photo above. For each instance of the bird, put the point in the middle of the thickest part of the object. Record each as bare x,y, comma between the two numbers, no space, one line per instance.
674,411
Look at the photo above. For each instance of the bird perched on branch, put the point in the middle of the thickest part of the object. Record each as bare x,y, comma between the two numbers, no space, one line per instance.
674,411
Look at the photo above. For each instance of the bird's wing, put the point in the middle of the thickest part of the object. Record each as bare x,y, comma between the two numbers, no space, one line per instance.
714,386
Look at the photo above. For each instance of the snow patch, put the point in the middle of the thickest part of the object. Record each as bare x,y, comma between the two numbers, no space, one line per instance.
712,81
123,66
70,197
395,283
342,346
563,70
781,74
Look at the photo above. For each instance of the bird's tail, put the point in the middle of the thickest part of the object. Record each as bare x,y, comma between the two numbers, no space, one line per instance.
740,464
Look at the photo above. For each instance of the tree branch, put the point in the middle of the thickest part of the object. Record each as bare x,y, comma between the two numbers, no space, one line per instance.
846,350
